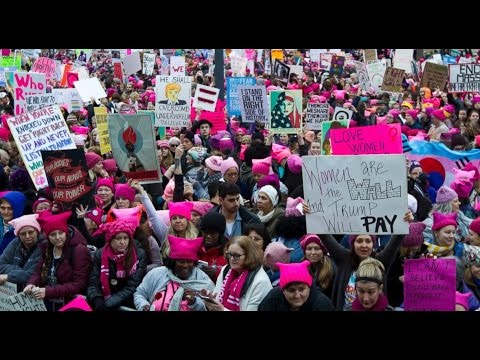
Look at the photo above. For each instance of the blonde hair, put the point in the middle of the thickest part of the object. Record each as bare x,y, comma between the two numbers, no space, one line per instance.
323,274
370,269
172,86
191,232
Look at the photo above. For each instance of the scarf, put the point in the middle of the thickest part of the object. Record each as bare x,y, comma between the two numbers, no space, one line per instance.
380,305
438,250
191,284
231,288
119,259
265,218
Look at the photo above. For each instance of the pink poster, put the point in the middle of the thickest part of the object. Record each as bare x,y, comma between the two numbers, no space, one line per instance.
429,285
362,140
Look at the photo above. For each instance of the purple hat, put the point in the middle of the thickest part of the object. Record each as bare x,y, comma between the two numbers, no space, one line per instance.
445,195
309,238
415,236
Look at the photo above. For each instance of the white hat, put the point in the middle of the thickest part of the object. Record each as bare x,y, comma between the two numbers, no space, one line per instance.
2,94
412,204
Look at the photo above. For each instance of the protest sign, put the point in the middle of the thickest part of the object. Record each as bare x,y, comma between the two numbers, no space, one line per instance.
69,97
362,75
90,88
285,111
370,55
177,65
336,65
325,133
233,105
35,102
464,78
118,70
253,103
403,59
392,80
131,63
45,66
342,113
24,302
102,126
172,98
316,114
26,84
434,76
6,290
205,97
148,63
376,71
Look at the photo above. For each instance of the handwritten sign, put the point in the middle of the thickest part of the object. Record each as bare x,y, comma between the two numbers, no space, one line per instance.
464,78
205,97
43,129
378,139
35,102
45,66
376,71
238,65
429,284
362,75
26,84
172,106
316,114
392,79
355,194
148,63
342,113
102,126
253,104
403,59
69,97
177,65
24,302
434,76
9,61
370,55
6,290
233,105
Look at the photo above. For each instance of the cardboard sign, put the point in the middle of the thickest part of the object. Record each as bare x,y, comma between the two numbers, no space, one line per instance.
370,55
172,106
43,129
233,105
24,302
35,102
316,114
376,70
434,76
378,139
362,74
355,194
205,97
392,80
429,284
133,143
464,78
131,63
253,103
102,126
67,176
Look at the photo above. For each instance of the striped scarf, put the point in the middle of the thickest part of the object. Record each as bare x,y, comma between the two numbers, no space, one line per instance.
438,250
231,288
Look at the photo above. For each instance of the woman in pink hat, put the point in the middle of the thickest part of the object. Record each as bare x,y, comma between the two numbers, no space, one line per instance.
175,286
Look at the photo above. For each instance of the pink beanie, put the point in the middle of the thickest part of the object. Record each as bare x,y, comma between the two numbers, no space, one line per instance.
25,220
471,167
449,108
280,152
462,189
475,225
295,272
415,236
439,114
110,165
125,191
39,201
129,215
202,207
291,208
445,195
168,191
476,99
108,182
4,134
276,252
441,220
309,238
95,215
214,163
462,299
183,208
228,164
92,159
50,223
184,249
162,144
262,166
226,144
77,304
271,179
113,228
294,163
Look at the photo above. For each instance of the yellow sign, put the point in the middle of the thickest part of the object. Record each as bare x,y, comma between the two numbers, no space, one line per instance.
102,126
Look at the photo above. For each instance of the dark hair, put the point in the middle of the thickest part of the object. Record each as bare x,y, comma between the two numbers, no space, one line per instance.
228,189
141,235
256,151
170,263
213,189
291,226
261,230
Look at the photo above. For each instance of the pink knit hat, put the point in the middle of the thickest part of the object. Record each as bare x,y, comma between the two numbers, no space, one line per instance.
184,249
4,134
462,189
280,152
183,208
462,299
294,163
309,238
214,163
276,252
202,207
125,191
291,209
463,176
50,223
439,114
445,195
129,215
475,225
449,108
295,272
39,201
441,220
271,179
108,182
162,144
415,236
25,220
110,165
92,159
226,144
262,166
77,304
228,164
476,99
113,228
168,191
471,167
95,215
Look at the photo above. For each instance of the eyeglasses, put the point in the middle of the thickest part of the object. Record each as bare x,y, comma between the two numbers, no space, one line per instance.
233,256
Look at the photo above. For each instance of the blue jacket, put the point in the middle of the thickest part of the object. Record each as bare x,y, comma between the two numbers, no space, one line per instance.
17,201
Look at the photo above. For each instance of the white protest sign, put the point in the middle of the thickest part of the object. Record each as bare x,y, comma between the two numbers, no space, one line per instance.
355,194
376,71
315,54
82,73
172,95
43,129
238,65
402,59
132,63
24,302
70,97
253,103
148,63
35,102
6,290
342,114
90,88
296,69
26,84
259,55
362,74
177,65
464,78
205,97
316,114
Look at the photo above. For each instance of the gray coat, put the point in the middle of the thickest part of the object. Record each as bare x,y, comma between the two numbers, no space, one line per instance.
18,263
